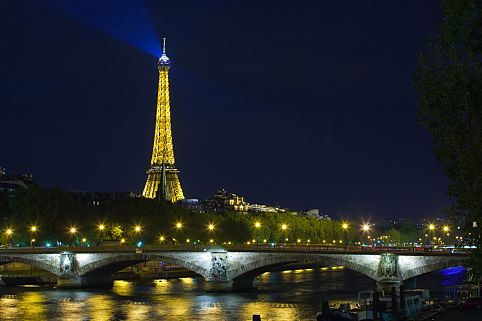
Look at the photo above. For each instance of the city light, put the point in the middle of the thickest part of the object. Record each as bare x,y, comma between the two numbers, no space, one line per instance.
211,227
284,227
162,238
9,231
33,228
101,227
137,228
257,224
72,230
179,225
211,241
123,241
365,227
344,226
431,227
84,240
445,228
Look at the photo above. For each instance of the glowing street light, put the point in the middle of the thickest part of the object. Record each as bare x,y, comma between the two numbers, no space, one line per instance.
284,227
162,238
33,228
179,225
345,226
211,227
366,228
137,228
123,241
431,227
72,230
445,228
31,242
257,224
101,227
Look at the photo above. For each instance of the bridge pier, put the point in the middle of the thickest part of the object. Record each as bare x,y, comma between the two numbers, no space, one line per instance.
386,286
85,281
236,285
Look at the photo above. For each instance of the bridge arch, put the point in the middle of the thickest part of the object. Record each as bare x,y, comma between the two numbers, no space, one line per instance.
432,266
114,263
262,265
46,266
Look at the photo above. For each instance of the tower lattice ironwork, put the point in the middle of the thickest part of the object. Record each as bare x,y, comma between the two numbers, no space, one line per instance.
162,176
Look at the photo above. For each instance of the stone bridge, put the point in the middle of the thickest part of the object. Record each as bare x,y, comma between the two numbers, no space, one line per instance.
224,269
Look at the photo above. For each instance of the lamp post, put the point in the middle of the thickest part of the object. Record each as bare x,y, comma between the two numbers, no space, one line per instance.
138,230
101,229
431,228
366,228
257,226
345,226
73,231
211,228
446,230
284,228
9,233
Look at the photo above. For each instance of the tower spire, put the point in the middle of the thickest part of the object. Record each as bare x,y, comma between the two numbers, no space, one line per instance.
164,59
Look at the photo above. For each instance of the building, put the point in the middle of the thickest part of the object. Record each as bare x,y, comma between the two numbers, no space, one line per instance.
223,201
11,183
315,213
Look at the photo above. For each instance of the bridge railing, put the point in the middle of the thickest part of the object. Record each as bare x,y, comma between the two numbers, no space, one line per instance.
279,247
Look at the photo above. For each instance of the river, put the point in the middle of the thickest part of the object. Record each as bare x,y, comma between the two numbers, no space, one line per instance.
286,295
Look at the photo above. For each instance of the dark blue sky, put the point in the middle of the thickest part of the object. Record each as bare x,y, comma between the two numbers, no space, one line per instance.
303,104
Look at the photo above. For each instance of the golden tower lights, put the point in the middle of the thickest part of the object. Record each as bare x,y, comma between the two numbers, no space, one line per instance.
162,176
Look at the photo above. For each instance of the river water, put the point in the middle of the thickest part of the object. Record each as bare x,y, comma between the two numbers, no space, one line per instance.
286,295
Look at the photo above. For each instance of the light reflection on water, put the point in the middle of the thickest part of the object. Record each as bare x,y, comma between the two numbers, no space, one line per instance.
289,295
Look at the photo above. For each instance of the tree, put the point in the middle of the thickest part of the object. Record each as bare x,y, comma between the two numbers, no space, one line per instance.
449,80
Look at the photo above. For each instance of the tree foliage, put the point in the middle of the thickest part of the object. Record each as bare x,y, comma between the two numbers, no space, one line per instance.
449,80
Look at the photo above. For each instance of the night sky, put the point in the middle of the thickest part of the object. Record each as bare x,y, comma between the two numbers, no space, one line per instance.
296,103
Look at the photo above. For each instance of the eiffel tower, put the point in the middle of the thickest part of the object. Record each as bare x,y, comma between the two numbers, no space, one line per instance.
163,177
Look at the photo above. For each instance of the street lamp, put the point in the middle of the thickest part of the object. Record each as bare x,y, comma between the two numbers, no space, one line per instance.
446,230
72,231
162,238
9,233
257,226
179,225
31,242
345,226
101,229
211,227
137,228
366,228
284,228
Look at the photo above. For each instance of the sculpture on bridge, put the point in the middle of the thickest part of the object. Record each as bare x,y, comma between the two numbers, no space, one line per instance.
387,269
218,267
67,264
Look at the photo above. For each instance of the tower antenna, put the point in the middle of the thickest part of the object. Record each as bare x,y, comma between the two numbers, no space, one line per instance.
164,45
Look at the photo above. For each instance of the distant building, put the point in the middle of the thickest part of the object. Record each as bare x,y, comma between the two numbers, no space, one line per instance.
315,213
11,183
223,201
192,204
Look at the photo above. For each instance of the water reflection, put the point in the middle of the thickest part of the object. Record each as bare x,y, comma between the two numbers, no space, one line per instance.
290,295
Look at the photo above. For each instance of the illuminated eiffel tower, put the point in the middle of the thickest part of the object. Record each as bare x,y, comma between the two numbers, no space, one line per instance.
162,177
